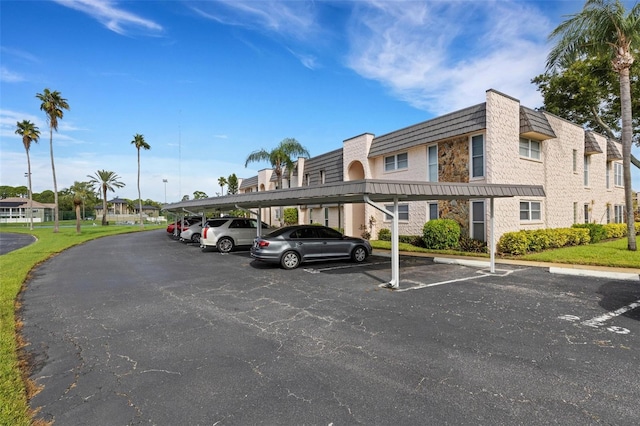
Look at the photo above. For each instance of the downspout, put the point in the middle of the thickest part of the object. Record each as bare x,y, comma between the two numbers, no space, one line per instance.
395,255
492,242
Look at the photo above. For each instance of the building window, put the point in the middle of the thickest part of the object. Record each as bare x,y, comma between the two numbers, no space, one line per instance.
529,149
432,163
322,177
306,179
575,161
575,212
618,213
396,162
326,216
608,211
477,220
587,215
617,174
587,163
530,211
403,212
608,175
477,156
433,210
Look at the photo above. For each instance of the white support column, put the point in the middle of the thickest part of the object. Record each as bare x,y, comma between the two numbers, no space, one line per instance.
395,252
492,239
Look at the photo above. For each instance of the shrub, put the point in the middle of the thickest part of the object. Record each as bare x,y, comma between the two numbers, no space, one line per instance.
522,242
615,230
384,234
596,231
441,234
290,216
414,240
472,246
514,243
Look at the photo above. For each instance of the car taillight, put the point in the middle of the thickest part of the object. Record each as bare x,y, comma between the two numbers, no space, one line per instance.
263,243
204,233
185,229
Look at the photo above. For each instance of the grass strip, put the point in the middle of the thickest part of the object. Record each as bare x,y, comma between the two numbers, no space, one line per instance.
14,271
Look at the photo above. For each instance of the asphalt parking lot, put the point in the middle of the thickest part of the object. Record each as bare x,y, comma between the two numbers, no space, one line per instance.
143,329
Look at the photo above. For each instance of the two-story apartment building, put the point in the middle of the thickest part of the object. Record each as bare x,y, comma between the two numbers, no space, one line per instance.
498,142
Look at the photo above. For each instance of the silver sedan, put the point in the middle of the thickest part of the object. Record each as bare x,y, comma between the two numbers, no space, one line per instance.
292,245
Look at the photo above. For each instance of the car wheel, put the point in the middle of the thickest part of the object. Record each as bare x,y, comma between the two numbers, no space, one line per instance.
195,238
225,245
290,260
359,254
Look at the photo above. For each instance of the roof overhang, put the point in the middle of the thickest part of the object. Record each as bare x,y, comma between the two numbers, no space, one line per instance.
355,191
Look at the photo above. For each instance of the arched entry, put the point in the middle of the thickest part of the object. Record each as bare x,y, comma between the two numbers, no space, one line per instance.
357,214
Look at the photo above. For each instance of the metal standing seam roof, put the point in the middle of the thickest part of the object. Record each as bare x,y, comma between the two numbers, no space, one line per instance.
612,151
591,145
468,120
535,123
354,191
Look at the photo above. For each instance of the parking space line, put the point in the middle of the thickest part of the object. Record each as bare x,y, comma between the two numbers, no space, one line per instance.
424,285
599,321
357,265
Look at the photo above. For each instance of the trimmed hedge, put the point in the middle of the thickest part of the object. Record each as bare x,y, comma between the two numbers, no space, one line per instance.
384,234
596,231
290,216
523,242
441,234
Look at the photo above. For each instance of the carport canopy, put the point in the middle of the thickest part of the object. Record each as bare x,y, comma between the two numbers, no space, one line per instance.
372,192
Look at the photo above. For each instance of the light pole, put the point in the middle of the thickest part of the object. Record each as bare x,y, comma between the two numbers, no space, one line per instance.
165,190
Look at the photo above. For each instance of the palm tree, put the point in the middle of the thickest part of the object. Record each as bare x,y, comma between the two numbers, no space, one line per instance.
30,133
222,181
81,190
604,27
139,142
53,104
106,181
280,157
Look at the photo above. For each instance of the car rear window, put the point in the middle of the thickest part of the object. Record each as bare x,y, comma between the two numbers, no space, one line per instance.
216,223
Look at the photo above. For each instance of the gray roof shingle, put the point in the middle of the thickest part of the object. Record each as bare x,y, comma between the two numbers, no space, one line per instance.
535,124
330,163
249,182
612,151
471,119
591,145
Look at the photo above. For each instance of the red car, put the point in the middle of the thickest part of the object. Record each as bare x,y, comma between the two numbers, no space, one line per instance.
187,221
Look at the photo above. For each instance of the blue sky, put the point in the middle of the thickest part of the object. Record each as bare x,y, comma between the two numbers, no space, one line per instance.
208,82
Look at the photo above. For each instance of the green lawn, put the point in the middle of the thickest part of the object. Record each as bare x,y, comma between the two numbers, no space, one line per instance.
608,253
15,267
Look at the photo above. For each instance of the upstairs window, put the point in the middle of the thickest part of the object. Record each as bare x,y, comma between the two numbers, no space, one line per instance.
608,175
396,162
617,174
575,161
587,163
529,149
477,156
432,163
322,177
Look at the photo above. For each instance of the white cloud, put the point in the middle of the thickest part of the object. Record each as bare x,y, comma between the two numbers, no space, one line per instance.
414,49
294,19
108,14
8,76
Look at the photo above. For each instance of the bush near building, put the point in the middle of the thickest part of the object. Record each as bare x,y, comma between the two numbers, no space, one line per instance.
441,234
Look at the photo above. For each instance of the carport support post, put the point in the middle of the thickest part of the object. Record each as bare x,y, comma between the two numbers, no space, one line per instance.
492,238
395,252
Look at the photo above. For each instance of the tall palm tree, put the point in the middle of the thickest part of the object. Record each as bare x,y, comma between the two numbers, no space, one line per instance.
140,143
53,105
106,181
605,27
30,133
222,181
280,157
